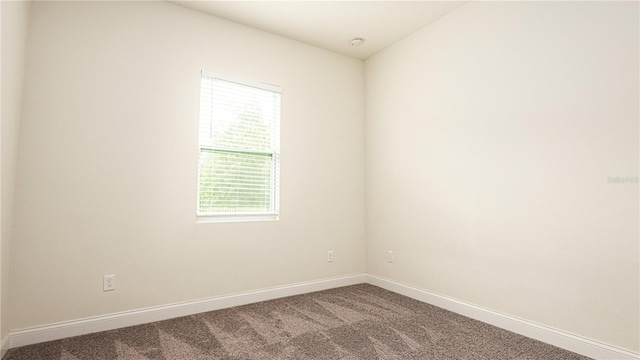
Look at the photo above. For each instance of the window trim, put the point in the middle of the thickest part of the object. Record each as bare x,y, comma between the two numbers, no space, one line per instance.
249,216
237,217
255,84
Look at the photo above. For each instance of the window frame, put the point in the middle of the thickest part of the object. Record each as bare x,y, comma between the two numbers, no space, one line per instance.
274,212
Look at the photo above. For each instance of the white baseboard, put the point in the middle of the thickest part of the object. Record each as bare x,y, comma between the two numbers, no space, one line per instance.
4,346
143,316
530,329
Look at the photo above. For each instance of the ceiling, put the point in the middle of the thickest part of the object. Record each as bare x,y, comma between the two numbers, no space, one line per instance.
332,24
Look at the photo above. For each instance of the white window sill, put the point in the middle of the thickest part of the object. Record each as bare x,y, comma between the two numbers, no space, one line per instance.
236,218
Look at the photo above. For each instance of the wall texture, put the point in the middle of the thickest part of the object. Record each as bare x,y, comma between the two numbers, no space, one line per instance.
494,141
108,162
15,17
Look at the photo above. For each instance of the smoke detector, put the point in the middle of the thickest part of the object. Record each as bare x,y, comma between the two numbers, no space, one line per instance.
357,41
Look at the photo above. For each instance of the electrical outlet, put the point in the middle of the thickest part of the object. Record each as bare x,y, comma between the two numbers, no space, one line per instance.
390,256
109,282
330,256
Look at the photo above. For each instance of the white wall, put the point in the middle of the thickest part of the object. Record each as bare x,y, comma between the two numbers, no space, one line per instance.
490,138
14,41
108,162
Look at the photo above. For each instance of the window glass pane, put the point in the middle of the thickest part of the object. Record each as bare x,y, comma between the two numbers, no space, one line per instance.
239,148
235,182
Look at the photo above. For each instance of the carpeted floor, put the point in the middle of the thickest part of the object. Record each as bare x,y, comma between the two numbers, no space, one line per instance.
354,322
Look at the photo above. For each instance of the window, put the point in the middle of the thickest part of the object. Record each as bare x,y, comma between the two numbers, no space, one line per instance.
239,164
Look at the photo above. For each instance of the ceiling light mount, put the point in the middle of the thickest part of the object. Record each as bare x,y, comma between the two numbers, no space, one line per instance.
357,41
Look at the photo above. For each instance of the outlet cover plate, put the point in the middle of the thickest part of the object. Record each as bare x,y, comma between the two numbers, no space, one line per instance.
109,282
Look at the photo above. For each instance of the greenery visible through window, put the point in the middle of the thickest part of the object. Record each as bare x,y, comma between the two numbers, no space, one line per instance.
239,147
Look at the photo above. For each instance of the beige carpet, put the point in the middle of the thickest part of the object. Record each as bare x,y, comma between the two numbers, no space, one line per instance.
354,322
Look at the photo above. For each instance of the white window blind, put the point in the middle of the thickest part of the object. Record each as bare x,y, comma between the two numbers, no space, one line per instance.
239,142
